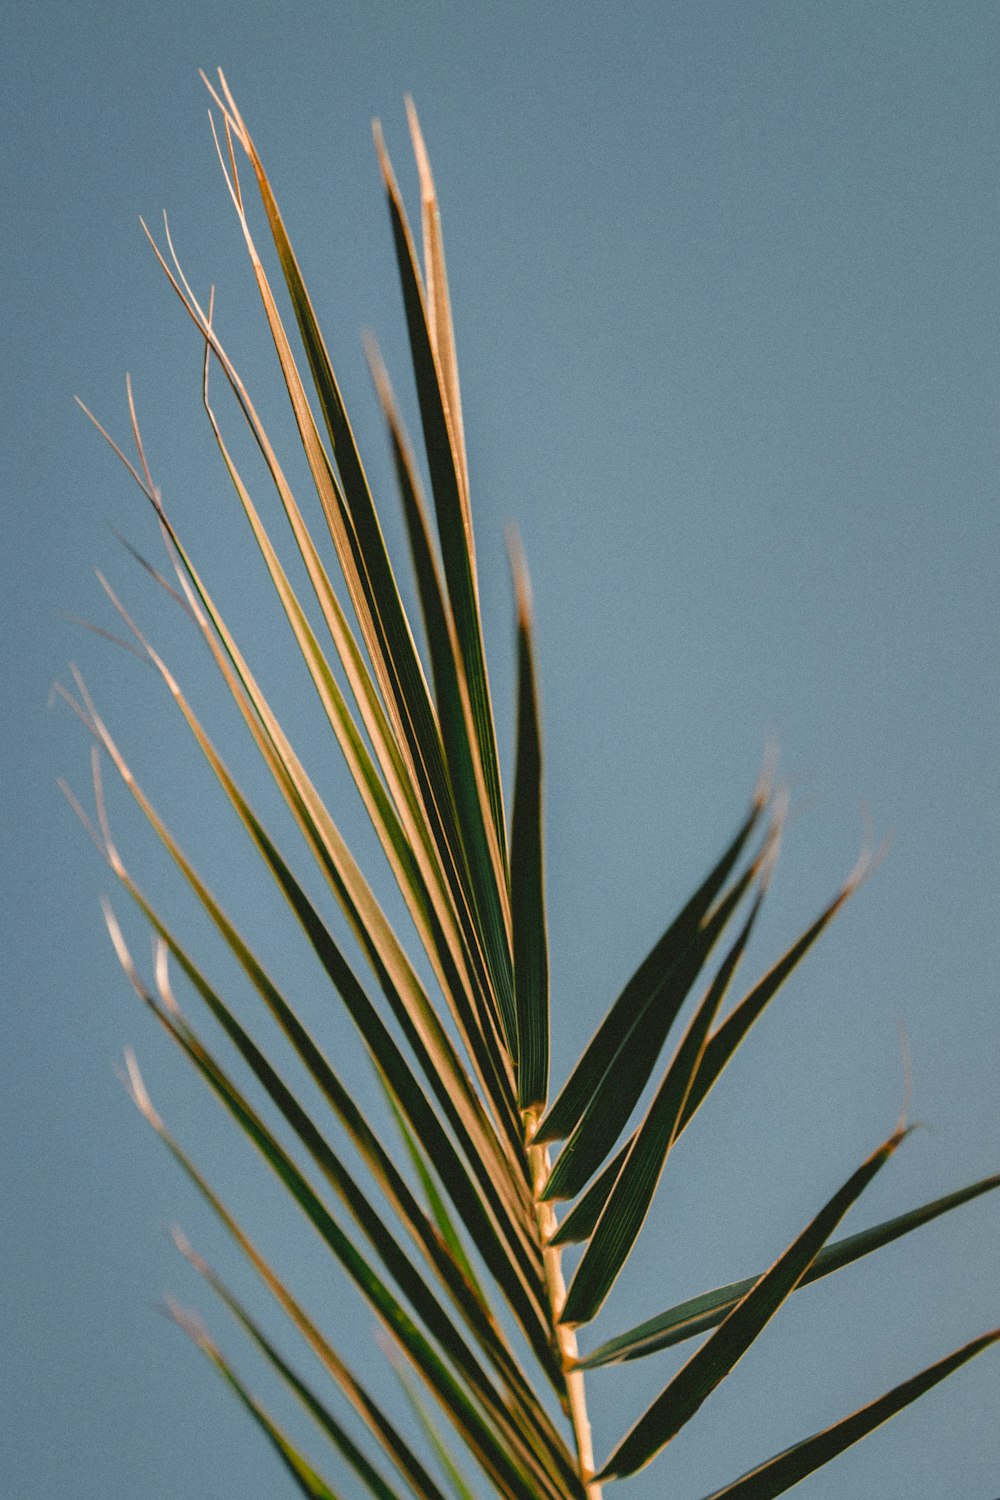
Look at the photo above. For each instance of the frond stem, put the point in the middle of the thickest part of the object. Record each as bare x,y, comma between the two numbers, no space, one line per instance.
565,1336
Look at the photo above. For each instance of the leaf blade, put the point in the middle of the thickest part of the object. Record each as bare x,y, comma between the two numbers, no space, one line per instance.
531,959
578,1092
308,1479
632,1193
682,1397
697,1314
620,1087
786,1469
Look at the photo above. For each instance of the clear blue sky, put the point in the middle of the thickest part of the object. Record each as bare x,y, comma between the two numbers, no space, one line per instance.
725,287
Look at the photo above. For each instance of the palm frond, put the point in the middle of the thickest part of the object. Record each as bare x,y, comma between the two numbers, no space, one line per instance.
454,1249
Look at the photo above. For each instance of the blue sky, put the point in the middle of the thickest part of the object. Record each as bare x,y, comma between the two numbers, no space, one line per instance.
725,293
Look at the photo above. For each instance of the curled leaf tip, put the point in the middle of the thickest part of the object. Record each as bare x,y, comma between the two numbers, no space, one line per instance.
138,1093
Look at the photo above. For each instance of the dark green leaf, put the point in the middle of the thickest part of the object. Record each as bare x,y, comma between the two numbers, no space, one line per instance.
727,1037
454,708
478,1202
482,829
356,532
318,1410
631,1006
579,1222
710,1365
622,1217
786,1469
435,1439
707,1310
618,1091
494,1452
432,350
531,959
306,1477
438,1211
392,1443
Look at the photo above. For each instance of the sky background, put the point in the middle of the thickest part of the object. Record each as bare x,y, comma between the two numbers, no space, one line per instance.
724,279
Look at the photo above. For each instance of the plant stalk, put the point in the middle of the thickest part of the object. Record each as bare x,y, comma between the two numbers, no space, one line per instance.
545,1217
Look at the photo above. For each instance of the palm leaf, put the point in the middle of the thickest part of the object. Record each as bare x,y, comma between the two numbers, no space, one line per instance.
515,1276
438,1211
402,1456
306,1477
724,1042
480,806
580,1223
317,1409
630,1009
677,1404
786,1469
455,1247
618,1091
705,1311
628,1202
450,685
475,1408
531,958
456,1480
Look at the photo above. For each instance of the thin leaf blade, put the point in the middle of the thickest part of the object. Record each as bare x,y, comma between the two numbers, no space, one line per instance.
709,1366
698,1314
531,959
786,1469
632,1193
578,1092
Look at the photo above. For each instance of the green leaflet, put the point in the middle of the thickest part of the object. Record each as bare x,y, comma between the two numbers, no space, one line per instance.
332,854
630,1007
534,1413
454,707
397,1449
700,1313
531,957
531,1411
450,1468
384,1171
432,347
721,1047
353,523
580,1221
786,1469
435,1204
475,1312
710,1365
431,914
462,1410
439,321
632,1192
350,512
306,1477
618,1091
726,1039
531,1415
482,827
461,1186
317,1409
